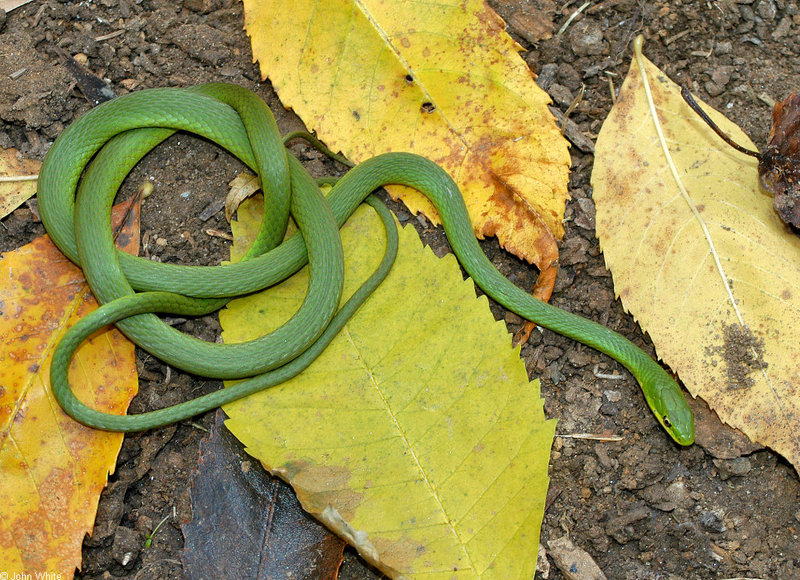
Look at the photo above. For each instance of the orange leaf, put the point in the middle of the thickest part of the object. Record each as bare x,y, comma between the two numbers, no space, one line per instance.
54,468
441,79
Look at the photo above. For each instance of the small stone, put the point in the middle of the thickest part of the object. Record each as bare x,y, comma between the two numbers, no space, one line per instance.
201,6
723,48
767,10
561,95
579,357
569,77
81,59
126,546
585,218
722,75
733,467
783,29
712,521
574,563
547,76
678,494
713,88
2,19
586,38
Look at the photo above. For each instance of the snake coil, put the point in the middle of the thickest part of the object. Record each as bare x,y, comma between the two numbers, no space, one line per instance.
86,166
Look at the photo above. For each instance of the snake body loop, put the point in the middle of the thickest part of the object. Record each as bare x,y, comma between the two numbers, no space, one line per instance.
116,135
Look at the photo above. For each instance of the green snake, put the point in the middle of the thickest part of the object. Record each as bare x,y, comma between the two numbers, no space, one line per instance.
88,162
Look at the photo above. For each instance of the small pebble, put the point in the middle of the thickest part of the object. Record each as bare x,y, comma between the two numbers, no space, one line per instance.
712,521
573,562
547,76
586,38
733,467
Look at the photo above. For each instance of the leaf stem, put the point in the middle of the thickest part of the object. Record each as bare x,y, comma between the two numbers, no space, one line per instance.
687,96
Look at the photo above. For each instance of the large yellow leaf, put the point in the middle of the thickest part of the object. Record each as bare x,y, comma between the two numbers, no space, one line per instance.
416,435
53,469
700,257
442,79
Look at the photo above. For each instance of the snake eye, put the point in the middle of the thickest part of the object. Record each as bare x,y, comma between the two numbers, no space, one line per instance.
667,422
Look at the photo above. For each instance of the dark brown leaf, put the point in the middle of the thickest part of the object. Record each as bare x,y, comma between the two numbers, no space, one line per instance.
779,163
248,524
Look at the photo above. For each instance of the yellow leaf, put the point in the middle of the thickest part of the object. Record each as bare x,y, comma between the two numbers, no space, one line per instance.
416,435
14,193
700,257
53,468
440,79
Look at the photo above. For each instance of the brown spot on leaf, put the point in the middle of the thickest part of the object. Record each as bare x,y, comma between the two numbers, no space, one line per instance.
742,353
318,486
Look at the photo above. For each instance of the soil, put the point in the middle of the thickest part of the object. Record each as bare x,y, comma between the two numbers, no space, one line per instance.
642,507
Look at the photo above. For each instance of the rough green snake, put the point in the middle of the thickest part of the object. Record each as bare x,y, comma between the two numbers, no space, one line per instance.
85,167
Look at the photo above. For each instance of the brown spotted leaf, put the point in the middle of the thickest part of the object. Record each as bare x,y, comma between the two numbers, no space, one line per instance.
700,257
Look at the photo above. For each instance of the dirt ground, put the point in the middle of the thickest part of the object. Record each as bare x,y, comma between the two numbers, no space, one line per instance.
643,507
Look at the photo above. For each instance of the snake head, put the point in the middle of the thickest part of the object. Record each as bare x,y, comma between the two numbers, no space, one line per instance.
674,414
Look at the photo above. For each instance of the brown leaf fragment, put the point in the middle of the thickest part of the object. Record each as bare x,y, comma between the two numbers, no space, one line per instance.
250,522
779,163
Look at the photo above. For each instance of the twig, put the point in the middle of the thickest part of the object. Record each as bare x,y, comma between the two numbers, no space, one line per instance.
572,17
13,178
591,437
687,96
110,35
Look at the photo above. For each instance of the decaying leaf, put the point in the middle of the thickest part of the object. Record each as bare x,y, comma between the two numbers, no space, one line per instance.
242,186
245,520
440,79
14,193
416,434
700,257
779,167
53,467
